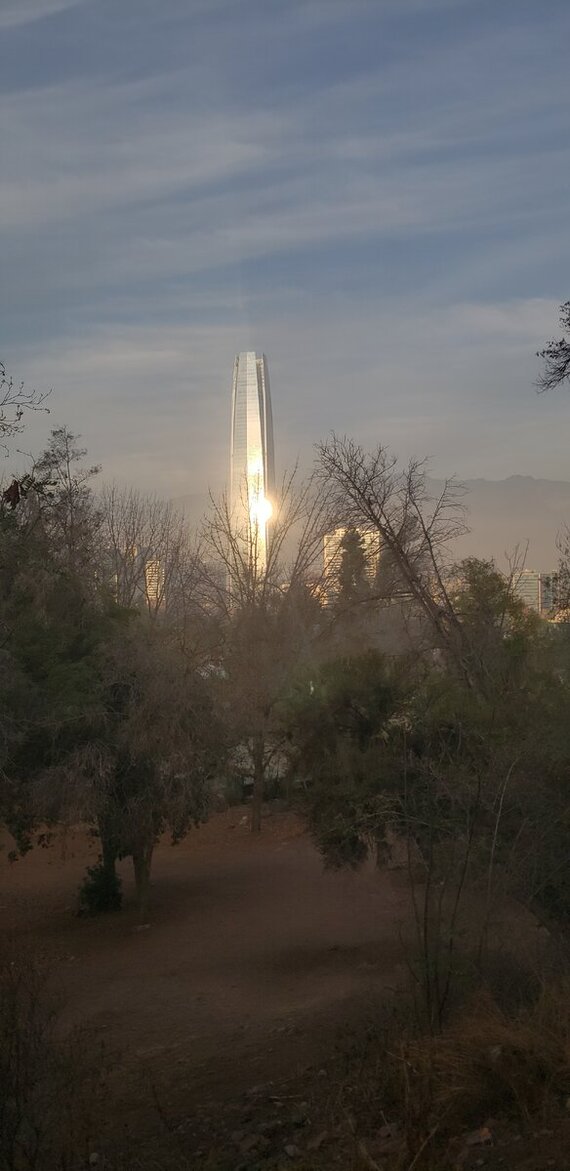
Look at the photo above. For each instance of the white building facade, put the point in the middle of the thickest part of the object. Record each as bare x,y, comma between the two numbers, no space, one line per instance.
535,590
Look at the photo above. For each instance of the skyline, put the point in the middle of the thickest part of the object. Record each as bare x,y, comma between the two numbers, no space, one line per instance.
374,194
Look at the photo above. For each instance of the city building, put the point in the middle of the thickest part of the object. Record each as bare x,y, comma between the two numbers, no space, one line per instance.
252,458
536,590
137,578
154,582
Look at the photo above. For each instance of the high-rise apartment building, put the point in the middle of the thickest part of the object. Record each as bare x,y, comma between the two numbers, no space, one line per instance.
535,589
154,582
252,458
137,578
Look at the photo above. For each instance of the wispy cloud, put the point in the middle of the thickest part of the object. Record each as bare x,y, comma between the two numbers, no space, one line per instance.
452,383
16,12
374,193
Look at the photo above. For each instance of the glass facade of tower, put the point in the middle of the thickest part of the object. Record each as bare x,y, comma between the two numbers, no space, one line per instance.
252,460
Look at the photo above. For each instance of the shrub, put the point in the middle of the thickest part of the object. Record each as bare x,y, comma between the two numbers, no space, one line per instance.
100,891
49,1088
487,1062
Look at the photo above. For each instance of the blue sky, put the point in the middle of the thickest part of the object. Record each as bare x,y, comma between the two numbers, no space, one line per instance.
373,192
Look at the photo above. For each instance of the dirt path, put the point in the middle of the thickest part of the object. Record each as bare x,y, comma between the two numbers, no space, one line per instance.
254,955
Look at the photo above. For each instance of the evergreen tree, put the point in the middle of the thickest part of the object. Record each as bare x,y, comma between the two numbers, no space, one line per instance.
352,575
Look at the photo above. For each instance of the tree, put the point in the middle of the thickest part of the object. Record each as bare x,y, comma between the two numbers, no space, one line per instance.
337,715
105,717
157,749
62,501
264,600
15,400
51,619
50,626
498,631
352,575
368,491
556,357
146,552
561,579
471,782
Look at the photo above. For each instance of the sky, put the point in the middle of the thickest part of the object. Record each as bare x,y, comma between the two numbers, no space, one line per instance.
372,192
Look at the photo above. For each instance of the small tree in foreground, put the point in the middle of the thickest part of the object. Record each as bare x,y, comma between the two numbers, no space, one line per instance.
150,768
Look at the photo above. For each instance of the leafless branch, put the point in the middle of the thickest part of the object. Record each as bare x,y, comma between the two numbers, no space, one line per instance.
15,400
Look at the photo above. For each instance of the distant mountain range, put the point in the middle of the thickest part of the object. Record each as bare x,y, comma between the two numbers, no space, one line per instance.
501,514
519,511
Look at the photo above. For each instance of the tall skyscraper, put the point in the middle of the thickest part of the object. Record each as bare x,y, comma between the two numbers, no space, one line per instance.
252,459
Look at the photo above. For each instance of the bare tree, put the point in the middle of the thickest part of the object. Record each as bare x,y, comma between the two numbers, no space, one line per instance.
146,551
265,593
368,491
560,581
250,569
556,357
15,400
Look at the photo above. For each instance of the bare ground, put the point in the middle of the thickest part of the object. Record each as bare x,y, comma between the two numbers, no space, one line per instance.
254,957
219,1020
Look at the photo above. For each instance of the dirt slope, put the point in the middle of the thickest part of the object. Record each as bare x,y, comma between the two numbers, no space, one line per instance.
253,956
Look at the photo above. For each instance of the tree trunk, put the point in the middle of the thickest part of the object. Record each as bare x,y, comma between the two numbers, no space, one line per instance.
108,854
141,863
258,779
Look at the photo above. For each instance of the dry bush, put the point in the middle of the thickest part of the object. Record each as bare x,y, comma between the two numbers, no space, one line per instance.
489,1062
50,1090
486,1063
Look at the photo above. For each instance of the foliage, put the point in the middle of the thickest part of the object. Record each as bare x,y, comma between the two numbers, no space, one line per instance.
498,632
352,575
343,722
105,717
157,749
100,890
468,785
49,698
64,506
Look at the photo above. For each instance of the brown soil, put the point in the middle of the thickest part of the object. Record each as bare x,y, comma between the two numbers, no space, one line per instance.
221,1018
254,955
